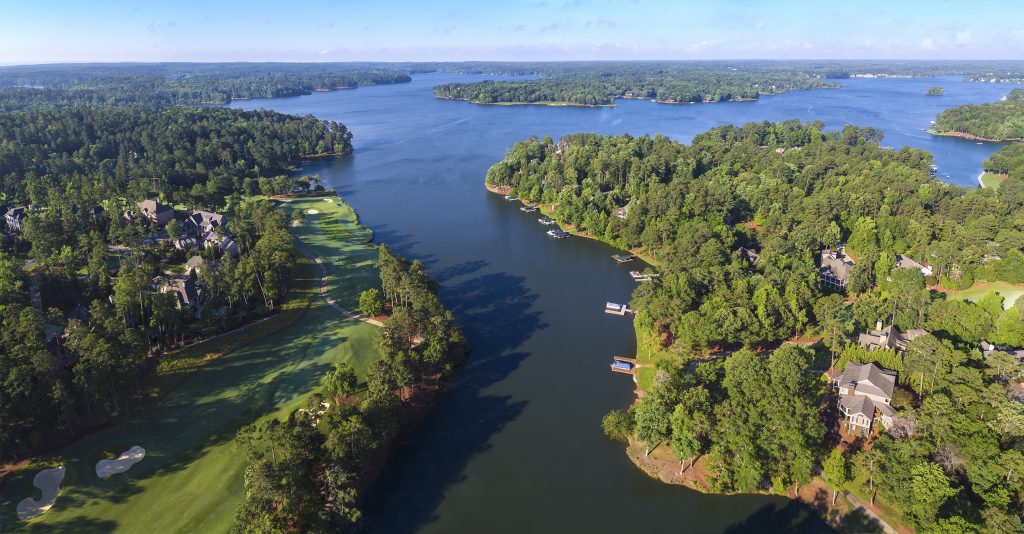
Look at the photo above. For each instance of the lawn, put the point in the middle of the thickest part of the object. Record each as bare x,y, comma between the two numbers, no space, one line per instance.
648,354
1008,291
191,477
993,181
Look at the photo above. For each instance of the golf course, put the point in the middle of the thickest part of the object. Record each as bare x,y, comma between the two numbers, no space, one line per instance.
191,477
1010,292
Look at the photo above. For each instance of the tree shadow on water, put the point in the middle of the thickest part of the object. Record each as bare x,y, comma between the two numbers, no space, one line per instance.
793,517
494,310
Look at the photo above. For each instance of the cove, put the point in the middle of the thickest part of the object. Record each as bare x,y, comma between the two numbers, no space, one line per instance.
516,445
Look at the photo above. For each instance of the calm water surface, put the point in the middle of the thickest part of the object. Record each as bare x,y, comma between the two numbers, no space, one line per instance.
517,445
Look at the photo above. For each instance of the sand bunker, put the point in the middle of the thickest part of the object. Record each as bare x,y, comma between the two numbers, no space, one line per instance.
328,200
128,458
312,211
48,482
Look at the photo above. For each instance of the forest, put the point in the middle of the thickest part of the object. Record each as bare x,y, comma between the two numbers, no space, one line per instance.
305,473
82,320
996,121
600,83
175,84
786,191
601,86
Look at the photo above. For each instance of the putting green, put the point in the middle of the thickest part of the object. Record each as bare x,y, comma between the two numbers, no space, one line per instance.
191,479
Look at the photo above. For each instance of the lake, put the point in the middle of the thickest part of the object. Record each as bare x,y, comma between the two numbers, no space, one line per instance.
516,446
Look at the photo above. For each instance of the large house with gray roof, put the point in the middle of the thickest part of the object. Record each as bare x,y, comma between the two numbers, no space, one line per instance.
15,218
157,212
865,391
836,268
888,338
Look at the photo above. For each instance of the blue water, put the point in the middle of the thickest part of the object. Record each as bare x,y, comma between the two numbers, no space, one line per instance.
516,446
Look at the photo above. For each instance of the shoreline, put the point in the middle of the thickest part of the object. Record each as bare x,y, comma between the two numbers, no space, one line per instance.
998,179
694,476
970,137
570,228
554,104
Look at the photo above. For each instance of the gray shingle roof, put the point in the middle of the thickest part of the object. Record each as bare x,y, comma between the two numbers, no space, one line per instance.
868,379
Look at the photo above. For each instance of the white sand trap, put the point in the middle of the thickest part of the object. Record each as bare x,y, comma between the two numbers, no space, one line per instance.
328,200
124,462
312,211
48,482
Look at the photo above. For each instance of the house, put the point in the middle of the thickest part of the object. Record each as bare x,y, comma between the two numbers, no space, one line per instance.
15,218
223,242
184,289
903,262
194,265
202,222
888,338
836,268
988,348
750,255
864,390
622,212
153,210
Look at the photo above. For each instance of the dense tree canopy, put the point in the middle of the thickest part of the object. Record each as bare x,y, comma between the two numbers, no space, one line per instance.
602,85
171,84
998,120
787,190
304,474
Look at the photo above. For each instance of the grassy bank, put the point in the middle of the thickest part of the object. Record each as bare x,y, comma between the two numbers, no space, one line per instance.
991,180
191,477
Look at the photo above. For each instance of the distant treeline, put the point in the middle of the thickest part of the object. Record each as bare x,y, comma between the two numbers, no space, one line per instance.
1002,120
602,85
178,84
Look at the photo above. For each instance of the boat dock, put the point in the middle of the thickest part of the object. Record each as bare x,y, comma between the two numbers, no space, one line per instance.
624,365
558,234
528,209
642,277
623,258
546,221
616,309
510,198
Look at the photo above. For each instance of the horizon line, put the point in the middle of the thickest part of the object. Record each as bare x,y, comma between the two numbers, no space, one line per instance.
498,61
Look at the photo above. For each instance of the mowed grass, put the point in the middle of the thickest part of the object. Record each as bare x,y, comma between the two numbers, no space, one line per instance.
1009,292
648,354
993,181
191,477
331,230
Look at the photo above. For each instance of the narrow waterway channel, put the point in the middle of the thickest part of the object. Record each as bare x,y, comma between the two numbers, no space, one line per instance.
516,446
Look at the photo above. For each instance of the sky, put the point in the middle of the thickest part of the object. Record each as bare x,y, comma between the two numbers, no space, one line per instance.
46,31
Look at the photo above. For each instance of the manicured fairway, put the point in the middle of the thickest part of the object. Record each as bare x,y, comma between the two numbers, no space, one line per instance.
1010,292
331,230
191,477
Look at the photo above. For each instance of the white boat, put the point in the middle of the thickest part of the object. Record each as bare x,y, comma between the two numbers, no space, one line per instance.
558,234
528,209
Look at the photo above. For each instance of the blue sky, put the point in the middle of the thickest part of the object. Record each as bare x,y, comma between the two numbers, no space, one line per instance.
34,31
